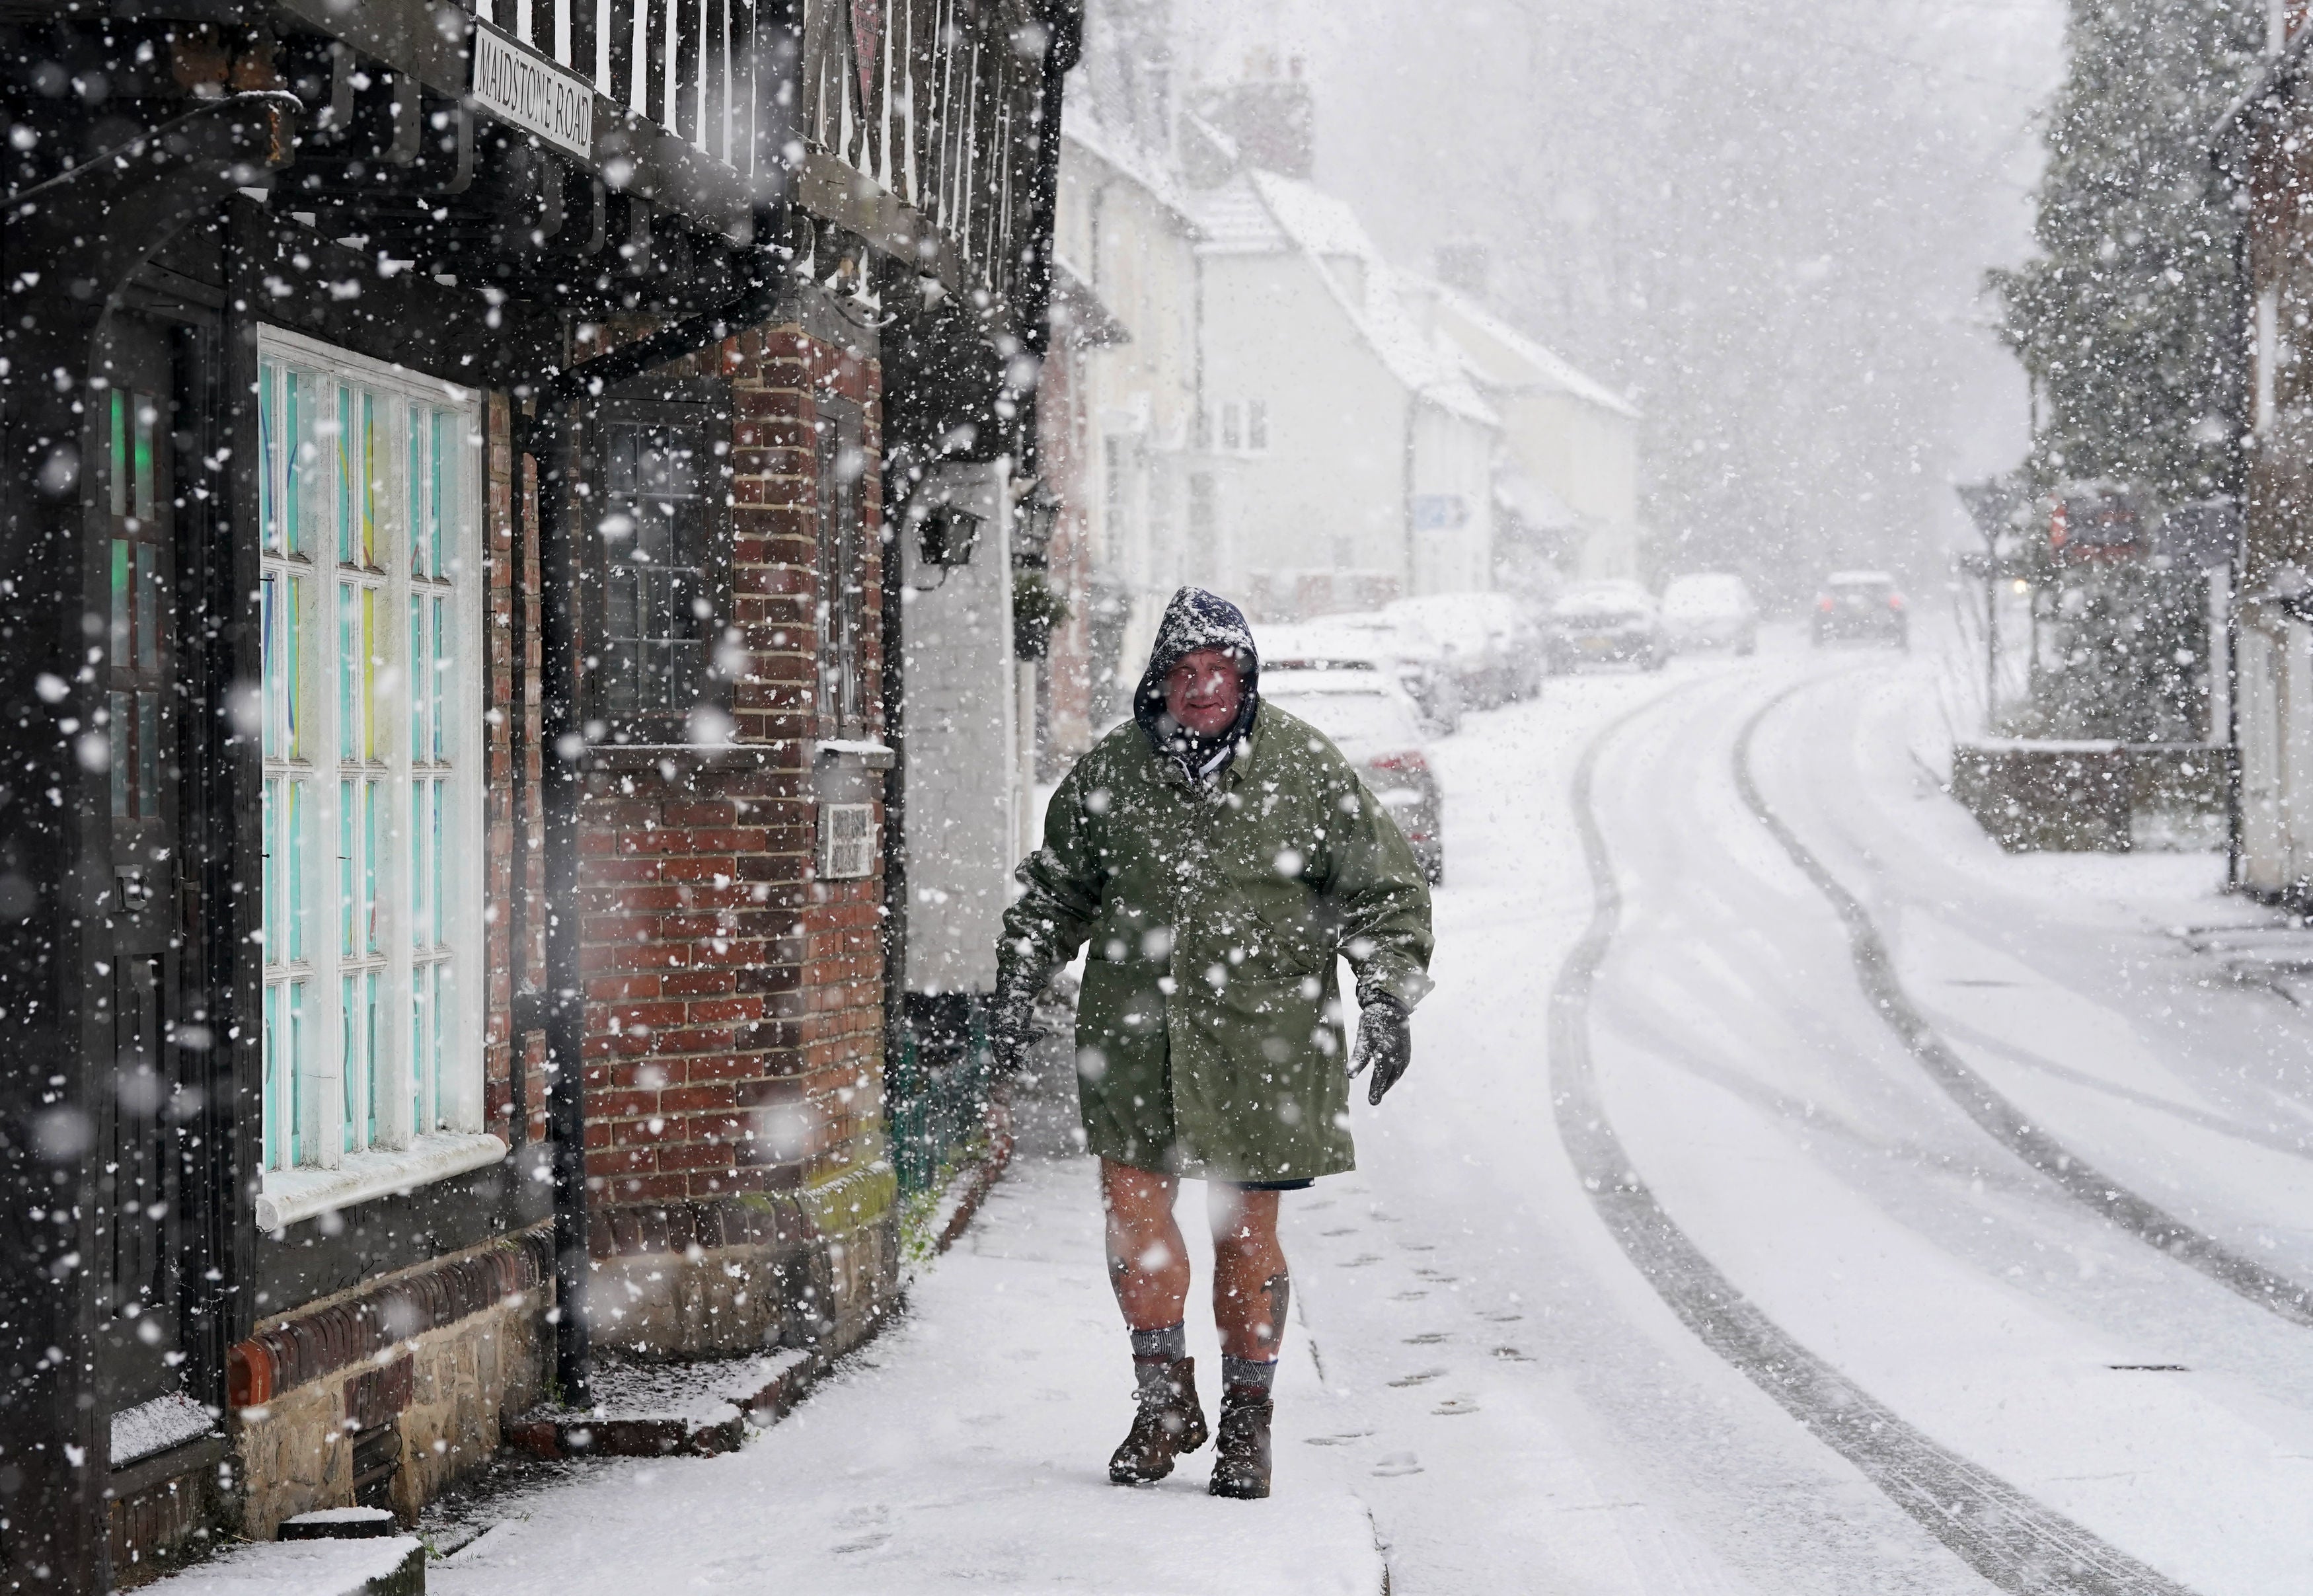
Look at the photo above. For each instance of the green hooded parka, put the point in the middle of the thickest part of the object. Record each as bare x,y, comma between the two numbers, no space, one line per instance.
1208,1034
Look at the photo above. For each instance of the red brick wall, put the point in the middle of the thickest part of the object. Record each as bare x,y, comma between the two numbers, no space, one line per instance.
735,1004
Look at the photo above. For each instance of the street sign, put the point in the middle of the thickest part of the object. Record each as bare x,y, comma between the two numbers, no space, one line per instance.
516,84
1438,512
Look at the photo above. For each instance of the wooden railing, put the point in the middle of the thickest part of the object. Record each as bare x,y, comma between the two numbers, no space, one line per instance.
707,71
936,114
929,99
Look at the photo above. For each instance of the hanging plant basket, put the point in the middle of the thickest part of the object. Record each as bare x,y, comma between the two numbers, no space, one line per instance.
1038,611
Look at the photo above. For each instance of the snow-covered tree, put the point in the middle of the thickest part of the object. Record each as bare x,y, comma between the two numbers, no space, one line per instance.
2128,322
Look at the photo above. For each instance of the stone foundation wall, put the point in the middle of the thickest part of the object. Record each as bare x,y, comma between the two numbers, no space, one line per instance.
296,1452
816,1270
386,1394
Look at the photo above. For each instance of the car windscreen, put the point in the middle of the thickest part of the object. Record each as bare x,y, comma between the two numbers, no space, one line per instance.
1703,596
1587,603
1361,723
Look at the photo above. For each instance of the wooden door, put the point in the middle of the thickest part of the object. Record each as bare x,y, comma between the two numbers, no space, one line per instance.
142,1125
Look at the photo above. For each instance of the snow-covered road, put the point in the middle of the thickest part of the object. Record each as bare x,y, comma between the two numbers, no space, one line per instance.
1747,1281
1792,1194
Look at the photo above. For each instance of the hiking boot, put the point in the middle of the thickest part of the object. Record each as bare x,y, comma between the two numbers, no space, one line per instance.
1241,1460
1169,1421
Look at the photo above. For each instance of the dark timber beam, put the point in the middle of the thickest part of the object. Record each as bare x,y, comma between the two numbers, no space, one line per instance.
68,250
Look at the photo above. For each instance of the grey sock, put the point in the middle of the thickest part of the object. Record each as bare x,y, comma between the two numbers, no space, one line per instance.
1255,1374
1171,1342
1155,1352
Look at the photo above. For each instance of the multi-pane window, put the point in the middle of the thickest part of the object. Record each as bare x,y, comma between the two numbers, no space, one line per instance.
370,603
840,609
1243,426
661,472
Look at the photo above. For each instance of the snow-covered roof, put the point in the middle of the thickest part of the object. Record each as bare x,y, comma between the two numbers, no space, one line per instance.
1079,316
1502,357
1262,212
1082,126
1231,219
1532,503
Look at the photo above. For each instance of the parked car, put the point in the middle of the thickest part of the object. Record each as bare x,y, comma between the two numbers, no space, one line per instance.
1866,604
1412,659
1477,642
1373,723
1517,626
1605,622
1709,610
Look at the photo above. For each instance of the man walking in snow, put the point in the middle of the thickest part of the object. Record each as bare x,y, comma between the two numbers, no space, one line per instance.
1217,855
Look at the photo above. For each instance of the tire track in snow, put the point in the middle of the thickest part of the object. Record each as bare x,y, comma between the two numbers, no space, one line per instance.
2008,1538
2001,1119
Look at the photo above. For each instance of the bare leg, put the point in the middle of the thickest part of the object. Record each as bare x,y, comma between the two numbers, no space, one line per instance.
1148,1262
1252,1291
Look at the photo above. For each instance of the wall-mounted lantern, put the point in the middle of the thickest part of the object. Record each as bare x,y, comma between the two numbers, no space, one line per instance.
1036,521
947,535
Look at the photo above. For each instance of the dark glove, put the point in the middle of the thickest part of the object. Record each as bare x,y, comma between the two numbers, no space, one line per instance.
1012,1027
1386,1041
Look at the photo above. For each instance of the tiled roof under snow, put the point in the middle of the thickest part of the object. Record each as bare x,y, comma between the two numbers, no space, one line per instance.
1525,364
1260,212
1232,218
1081,125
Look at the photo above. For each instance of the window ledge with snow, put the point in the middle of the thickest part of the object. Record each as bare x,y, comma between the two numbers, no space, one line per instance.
874,755
289,1195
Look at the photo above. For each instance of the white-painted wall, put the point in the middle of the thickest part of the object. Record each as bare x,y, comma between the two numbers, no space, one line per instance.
1330,489
966,797
1453,460
1136,251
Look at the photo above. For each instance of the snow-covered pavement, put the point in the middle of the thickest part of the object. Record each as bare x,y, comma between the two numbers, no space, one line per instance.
964,1451
1727,1270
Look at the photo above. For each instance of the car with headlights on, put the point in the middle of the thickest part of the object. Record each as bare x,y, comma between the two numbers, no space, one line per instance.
1374,724
1604,623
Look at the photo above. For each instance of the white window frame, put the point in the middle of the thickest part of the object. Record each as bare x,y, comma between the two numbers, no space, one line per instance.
387,1141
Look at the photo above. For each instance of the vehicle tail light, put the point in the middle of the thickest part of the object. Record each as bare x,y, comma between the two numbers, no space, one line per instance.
1408,764
1894,601
1824,603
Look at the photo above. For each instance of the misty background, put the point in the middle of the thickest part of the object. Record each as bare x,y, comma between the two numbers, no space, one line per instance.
1768,225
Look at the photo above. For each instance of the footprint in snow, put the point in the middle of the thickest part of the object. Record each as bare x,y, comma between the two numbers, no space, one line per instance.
1511,1354
1361,1260
1344,1230
1427,1338
1424,1378
1409,1296
1397,1463
1344,1439
1454,1406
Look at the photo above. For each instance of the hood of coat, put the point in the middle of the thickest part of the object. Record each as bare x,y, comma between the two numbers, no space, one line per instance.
1197,619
